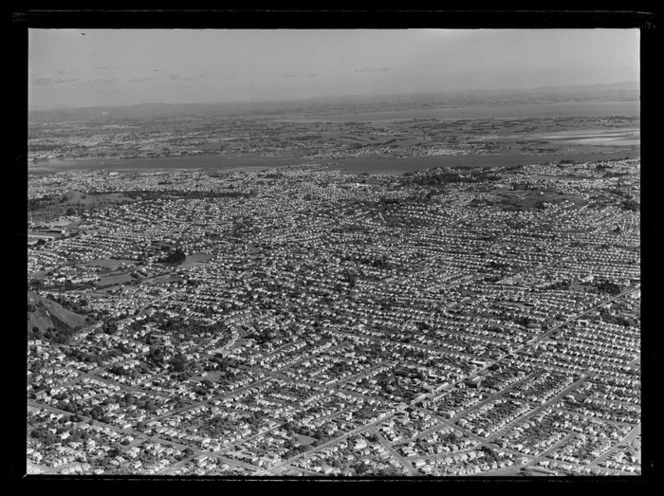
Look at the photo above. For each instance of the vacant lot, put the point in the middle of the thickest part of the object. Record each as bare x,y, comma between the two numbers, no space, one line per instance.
305,440
195,259
110,263
113,280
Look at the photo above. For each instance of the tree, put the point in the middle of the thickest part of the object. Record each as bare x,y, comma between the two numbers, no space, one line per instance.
362,468
179,363
175,257
97,412
110,328
631,205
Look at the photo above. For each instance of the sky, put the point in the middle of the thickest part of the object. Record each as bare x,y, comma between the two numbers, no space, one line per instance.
107,67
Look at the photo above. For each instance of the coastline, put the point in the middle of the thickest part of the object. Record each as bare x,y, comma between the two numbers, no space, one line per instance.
372,165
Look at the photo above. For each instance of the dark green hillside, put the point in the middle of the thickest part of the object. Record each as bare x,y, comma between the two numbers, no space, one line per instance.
50,321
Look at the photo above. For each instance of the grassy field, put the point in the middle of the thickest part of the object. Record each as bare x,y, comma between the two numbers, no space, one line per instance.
195,259
110,263
113,280
305,440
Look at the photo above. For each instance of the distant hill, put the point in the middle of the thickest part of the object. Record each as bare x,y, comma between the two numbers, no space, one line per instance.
50,321
624,85
122,115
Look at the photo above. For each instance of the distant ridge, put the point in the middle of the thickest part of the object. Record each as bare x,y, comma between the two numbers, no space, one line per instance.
625,85
628,86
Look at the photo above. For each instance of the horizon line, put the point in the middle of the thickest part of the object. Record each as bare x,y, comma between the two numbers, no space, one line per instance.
332,97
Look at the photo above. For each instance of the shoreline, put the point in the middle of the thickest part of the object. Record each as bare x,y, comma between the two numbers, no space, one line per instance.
373,165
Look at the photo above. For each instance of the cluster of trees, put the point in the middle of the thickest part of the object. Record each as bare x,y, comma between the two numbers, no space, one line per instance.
559,285
228,368
39,203
439,177
523,320
348,277
79,306
295,449
621,193
44,435
36,284
204,387
98,357
497,265
67,285
156,195
219,426
133,372
109,327
339,368
264,335
392,201
614,174
97,413
351,228
490,455
294,446
175,257
144,456
394,382
177,325
607,287
212,194
146,194
632,205
410,373
140,402
179,363
155,356
379,262
617,319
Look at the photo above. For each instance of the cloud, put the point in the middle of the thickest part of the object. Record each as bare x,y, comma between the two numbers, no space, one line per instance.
147,78
177,77
97,83
41,81
312,75
371,69
289,75
50,81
